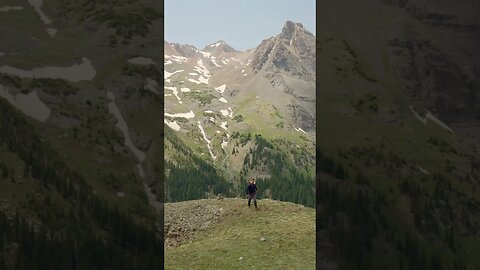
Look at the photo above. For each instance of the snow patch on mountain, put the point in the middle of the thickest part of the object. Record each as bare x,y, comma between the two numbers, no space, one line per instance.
215,63
299,129
223,100
224,112
224,144
207,140
30,104
151,85
77,72
167,74
173,125
205,54
179,59
429,116
188,115
200,80
200,68
221,88
224,125
10,8
37,6
175,92
122,125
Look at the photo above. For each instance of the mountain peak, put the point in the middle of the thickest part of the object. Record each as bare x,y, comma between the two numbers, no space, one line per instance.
290,27
218,43
219,46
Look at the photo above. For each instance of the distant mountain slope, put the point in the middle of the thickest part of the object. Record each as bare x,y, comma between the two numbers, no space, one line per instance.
242,119
397,164
80,146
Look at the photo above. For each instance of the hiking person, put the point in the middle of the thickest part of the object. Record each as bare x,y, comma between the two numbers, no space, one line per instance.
252,192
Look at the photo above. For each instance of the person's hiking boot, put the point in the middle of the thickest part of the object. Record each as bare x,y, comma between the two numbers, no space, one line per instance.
256,208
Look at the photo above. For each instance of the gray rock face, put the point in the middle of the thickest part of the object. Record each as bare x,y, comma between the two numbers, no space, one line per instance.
292,52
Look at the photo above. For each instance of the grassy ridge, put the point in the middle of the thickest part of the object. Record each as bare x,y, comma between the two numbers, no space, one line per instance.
235,242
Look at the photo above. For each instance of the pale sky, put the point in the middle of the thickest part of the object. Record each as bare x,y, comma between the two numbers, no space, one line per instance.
243,24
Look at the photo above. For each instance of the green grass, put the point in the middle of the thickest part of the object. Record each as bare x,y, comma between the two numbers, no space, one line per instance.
288,229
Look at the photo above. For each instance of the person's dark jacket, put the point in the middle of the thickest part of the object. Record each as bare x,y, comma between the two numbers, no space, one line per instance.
251,189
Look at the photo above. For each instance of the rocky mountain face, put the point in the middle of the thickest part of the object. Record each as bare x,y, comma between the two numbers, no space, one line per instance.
292,52
223,104
399,105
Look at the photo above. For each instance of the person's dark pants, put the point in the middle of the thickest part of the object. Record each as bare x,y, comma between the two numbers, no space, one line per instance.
254,197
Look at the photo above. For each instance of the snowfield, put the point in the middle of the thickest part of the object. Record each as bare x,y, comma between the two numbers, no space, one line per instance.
173,125
223,100
75,73
188,115
224,112
207,140
9,8
201,79
205,54
30,104
122,125
151,85
175,92
224,144
200,68
179,59
430,116
215,63
221,88
299,129
167,74
224,125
